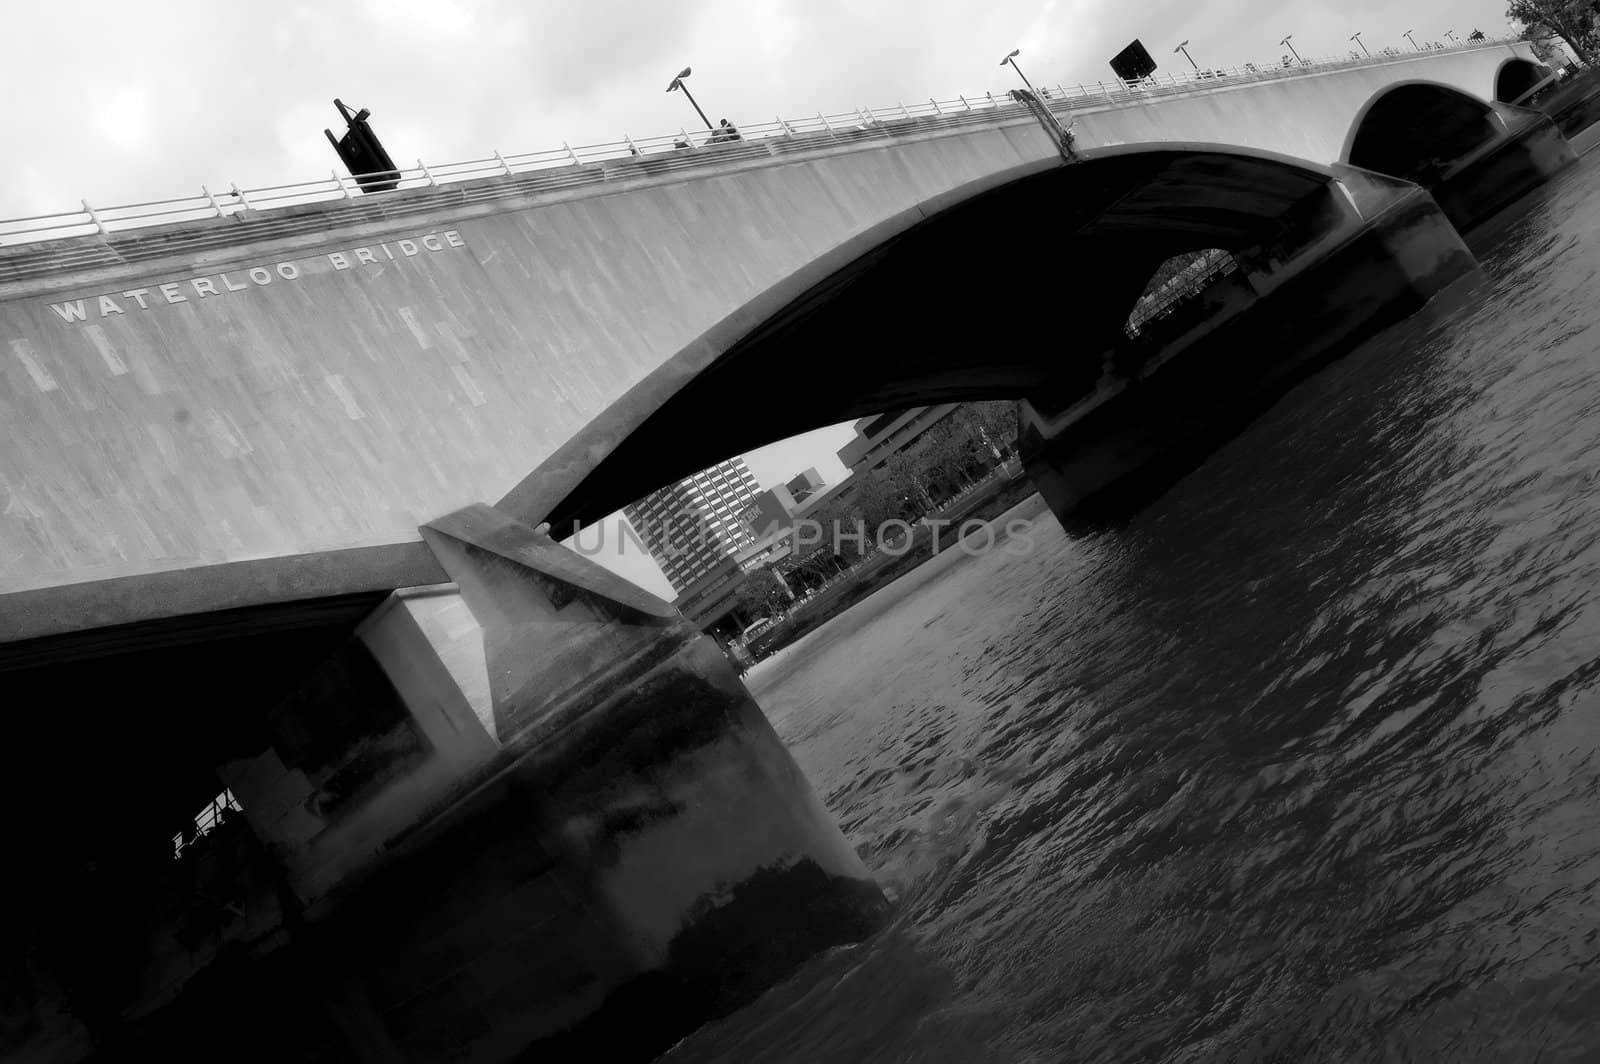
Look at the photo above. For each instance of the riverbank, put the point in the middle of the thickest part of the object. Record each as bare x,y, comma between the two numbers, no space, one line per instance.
933,535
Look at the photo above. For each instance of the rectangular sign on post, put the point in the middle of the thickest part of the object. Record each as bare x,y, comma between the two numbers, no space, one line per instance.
362,153
1133,63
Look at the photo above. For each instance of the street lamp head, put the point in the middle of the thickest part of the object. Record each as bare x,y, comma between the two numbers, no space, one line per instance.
1354,35
677,82
1014,53
1286,38
1180,47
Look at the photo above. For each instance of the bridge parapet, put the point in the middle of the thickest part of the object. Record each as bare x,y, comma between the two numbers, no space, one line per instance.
318,377
474,180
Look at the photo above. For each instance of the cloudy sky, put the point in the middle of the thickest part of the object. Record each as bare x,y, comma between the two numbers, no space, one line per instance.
146,99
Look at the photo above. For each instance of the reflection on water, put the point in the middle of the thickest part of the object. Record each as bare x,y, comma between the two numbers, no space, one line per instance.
1303,764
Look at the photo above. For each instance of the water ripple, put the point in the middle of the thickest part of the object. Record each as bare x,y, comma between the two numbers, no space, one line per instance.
1301,765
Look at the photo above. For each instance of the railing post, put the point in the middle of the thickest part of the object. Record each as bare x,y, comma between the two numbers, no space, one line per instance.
94,216
827,125
212,200
425,172
936,108
338,182
239,195
903,110
633,149
574,155
965,102
504,165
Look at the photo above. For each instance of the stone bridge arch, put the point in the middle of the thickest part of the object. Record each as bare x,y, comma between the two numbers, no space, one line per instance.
1472,154
898,315
1404,126
1517,77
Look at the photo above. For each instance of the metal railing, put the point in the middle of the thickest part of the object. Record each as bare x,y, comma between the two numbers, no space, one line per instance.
571,165
1208,268
205,821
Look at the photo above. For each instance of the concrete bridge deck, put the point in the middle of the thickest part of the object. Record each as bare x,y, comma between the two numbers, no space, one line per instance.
288,383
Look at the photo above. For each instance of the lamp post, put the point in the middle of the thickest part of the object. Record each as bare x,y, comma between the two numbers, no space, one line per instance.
677,83
1287,38
1413,40
1012,59
1356,36
1184,48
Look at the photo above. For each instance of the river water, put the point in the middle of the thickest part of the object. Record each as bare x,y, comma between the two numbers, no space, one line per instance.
1302,764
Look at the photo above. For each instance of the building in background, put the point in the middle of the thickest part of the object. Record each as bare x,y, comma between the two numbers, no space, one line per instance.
805,485
713,602
712,585
693,526
879,438
771,511
770,516
775,509
916,436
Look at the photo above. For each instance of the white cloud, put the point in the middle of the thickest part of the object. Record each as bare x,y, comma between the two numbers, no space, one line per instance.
439,21
122,116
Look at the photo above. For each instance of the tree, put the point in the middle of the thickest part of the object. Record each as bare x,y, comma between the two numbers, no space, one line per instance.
997,425
1573,20
955,452
812,572
908,480
1545,48
835,518
761,595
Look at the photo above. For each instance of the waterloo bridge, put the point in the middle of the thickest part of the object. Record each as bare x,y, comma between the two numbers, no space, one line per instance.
271,464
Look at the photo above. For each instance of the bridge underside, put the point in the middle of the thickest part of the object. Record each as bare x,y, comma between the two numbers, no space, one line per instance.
913,322
543,792
111,750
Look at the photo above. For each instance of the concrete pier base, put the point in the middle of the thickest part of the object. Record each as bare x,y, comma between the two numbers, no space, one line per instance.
535,814
1533,151
1574,104
1101,457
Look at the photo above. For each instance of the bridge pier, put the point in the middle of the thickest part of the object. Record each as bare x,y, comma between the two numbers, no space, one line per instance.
536,814
1531,151
1574,104
1154,414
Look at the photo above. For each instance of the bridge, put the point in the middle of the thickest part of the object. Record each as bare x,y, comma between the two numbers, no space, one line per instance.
249,440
